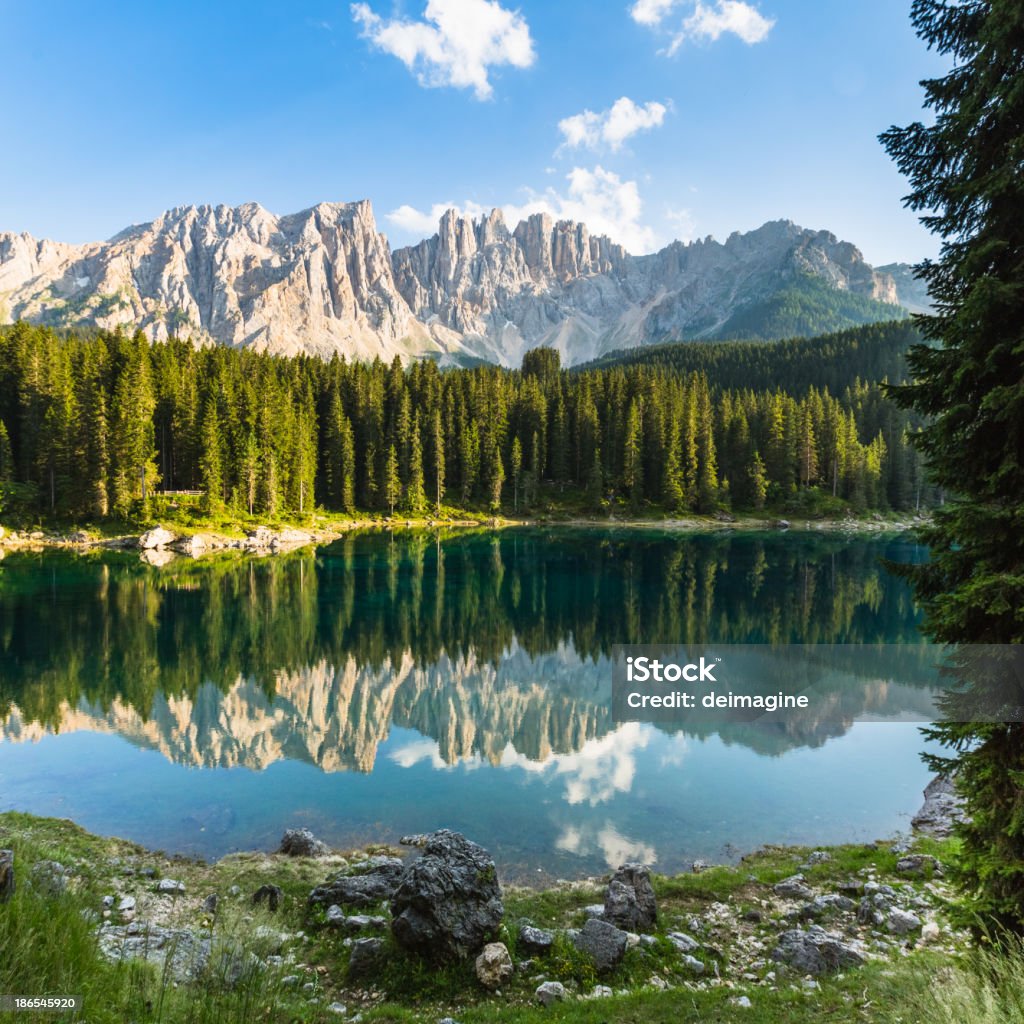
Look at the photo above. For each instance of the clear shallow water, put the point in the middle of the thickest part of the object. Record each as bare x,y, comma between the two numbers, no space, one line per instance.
393,684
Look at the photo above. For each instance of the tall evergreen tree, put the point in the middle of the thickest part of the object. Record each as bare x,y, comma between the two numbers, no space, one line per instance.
965,173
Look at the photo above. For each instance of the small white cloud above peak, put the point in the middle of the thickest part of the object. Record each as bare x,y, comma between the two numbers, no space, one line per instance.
456,44
611,127
595,197
705,22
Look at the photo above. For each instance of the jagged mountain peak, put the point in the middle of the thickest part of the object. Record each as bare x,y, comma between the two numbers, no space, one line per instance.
325,280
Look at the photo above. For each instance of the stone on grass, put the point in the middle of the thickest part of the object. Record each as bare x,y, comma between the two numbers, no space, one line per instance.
272,895
49,876
902,922
535,941
365,955
448,903
917,865
374,883
170,887
494,965
300,842
6,875
683,942
816,951
630,902
210,903
793,888
549,992
603,943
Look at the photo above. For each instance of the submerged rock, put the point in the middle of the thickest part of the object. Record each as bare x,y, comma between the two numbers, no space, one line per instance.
630,902
448,903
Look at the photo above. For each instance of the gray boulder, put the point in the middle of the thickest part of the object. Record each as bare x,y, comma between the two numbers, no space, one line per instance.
366,954
269,894
170,887
630,902
549,992
916,865
793,888
603,943
300,842
902,922
6,875
816,951
376,884
49,876
448,903
943,807
534,941
683,942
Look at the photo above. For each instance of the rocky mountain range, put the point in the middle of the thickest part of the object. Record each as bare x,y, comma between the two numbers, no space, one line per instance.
326,280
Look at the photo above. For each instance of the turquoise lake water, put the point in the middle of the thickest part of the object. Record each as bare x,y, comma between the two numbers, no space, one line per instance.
388,684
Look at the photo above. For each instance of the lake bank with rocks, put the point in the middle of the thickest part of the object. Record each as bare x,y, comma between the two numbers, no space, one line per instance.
159,545
427,928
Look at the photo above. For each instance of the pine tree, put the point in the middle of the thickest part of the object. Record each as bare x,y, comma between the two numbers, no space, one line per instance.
758,482
6,456
392,484
438,460
415,496
517,465
211,469
965,173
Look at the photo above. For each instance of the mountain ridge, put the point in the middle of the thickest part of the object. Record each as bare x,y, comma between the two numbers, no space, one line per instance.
325,280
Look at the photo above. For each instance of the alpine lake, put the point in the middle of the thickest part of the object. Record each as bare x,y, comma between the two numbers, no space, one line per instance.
393,683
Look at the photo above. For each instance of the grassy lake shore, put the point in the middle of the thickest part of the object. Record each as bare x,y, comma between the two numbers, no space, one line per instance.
84,903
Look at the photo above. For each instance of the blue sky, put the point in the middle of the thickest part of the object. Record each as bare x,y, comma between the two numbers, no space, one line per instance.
705,116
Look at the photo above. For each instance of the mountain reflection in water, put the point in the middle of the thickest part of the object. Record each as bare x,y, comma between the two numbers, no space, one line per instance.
417,656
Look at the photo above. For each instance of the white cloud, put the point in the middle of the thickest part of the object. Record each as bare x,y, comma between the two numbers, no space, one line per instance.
651,12
424,222
456,44
726,16
613,126
681,222
599,198
707,22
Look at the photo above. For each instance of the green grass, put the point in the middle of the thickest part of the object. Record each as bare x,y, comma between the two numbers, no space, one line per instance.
48,946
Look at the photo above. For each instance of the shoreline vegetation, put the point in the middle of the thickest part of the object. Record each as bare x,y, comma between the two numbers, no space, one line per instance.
851,932
261,538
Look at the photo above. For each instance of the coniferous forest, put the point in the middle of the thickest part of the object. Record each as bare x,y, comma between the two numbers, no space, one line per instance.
92,426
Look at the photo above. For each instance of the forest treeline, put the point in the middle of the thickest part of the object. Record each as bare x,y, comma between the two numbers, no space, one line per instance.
92,425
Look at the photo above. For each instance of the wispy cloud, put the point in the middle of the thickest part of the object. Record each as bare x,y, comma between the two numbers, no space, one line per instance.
597,197
456,44
611,127
706,22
